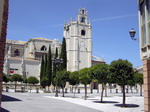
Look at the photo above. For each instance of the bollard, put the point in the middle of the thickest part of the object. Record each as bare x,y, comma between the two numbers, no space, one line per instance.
78,90
116,90
65,90
7,88
91,90
22,89
37,90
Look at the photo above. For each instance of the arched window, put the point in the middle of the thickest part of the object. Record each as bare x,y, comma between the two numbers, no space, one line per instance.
43,48
83,32
82,11
16,52
82,19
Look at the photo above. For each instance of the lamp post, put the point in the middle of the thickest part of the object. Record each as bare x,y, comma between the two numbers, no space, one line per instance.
132,33
57,62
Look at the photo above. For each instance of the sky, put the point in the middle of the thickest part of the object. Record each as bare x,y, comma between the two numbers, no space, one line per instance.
111,21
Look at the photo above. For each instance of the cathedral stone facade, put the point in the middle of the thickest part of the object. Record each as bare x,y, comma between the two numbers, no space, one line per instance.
24,58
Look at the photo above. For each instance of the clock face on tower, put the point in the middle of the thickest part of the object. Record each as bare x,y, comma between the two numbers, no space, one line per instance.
82,43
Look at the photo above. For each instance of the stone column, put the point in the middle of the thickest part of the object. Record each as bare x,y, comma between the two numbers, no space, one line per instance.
146,70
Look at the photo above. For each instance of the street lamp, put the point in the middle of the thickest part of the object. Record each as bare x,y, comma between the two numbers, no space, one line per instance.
132,33
57,63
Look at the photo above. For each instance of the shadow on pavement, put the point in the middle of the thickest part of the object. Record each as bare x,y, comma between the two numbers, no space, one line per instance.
3,110
6,98
105,102
127,105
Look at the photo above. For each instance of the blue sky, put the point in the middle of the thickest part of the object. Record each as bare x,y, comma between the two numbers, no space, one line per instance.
111,22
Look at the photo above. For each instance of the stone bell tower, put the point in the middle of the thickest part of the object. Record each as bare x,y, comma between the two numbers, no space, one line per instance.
78,41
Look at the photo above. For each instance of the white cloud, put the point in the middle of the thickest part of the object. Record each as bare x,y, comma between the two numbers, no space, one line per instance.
114,17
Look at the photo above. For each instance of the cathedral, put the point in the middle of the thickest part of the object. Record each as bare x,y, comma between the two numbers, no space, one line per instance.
24,58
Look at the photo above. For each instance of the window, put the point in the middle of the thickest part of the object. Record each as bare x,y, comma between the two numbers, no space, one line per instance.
16,52
149,32
43,48
142,10
143,23
143,35
83,32
82,19
148,8
82,11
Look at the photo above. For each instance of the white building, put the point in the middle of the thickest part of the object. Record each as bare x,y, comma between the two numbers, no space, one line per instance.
144,30
24,58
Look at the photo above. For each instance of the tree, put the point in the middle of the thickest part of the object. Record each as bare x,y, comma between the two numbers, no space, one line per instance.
49,67
45,66
110,82
5,78
101,73
56,53
32,80
131,83
61,78
10,79
139,80
74,79
42,68
15,78
63,55
84,78
121,73
25,80
44,82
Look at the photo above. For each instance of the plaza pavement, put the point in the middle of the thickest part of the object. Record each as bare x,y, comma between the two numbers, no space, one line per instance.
46,102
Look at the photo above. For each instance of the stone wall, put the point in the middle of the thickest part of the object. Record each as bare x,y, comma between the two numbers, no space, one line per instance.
3,40
146,69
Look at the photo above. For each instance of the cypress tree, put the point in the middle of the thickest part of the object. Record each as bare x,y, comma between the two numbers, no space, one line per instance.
45,66
49,67
54,65
42,67
63,55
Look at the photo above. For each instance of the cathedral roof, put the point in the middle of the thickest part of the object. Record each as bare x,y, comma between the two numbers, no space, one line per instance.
15,42
40,38
95,58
